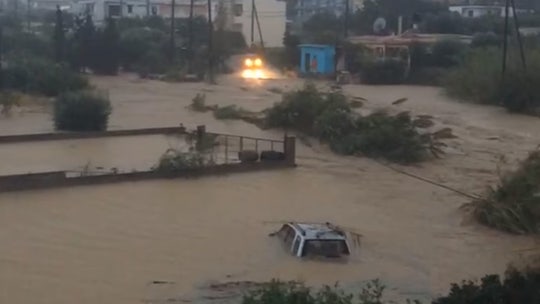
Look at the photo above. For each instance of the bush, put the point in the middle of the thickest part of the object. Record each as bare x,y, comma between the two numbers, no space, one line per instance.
478,79
482,40
229,112
514,205
515,287
384,72
277,292
82,111
174,161
447,53
329,117
35,75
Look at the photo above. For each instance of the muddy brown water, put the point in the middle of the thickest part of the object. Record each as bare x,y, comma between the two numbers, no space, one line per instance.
106,244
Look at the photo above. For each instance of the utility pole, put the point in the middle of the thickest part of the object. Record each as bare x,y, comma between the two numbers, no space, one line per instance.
520,42
258,26
346,27
252,22
190,33
121,8
506,34
171,42
28,15
147,8
505,38
210,44
1,68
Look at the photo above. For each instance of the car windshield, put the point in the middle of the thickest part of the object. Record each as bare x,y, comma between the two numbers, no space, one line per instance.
326,248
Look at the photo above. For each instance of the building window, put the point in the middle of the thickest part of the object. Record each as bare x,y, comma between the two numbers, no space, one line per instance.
130,9
238,10
114,10
89,8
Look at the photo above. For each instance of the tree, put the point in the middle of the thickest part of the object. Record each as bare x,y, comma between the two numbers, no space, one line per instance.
105,56
59,36
292,53
81,43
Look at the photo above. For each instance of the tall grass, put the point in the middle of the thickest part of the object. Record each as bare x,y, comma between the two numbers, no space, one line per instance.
479,79
514,205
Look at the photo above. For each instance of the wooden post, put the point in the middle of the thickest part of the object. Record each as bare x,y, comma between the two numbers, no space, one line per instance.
289,147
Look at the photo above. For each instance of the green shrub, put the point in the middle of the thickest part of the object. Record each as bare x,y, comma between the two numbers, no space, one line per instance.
174,161
34,75
229,112
299,109
380,135
329,117
198,103
384,72
482,40
277,292
515,287
82,111
514,205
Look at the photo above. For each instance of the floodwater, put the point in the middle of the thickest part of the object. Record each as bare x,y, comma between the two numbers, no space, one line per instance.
107,244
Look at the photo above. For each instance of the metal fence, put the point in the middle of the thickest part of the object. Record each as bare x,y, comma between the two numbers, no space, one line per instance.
224,148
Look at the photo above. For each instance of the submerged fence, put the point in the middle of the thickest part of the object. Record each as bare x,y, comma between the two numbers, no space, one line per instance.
223,149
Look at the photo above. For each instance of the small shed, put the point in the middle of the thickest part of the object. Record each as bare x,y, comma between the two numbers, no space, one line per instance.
317,59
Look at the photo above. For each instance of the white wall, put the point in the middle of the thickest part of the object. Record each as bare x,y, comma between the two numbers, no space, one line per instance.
272,19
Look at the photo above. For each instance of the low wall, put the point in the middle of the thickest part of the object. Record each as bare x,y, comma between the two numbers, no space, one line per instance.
82,135
59,179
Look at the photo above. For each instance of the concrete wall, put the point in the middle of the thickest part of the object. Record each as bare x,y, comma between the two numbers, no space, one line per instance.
59,179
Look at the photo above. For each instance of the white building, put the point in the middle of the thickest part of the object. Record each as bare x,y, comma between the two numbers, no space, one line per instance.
100,10
237,16
475,11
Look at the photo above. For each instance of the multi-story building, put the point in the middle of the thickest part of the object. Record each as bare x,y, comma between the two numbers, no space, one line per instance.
299,11
103,9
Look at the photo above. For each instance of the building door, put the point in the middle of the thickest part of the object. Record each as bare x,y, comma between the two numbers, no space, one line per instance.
307,62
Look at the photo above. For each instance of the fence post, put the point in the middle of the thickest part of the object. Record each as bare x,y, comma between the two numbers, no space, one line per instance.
226,149
241,143
257,145
272,145
289,147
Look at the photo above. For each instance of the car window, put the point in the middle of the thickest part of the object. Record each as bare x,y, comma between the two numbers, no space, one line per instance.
326,248
296,245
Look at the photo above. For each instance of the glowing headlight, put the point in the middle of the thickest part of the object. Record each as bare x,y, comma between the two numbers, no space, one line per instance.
258,62
248,62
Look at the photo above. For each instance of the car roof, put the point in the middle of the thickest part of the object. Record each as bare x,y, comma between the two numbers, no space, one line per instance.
318,231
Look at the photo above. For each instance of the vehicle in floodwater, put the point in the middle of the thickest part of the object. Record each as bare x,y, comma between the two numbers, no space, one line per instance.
253,67
314,240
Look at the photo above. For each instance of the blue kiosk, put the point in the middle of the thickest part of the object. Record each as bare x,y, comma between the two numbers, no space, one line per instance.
317,59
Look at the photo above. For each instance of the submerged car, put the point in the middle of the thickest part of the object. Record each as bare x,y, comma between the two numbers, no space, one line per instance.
314,240
253,66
